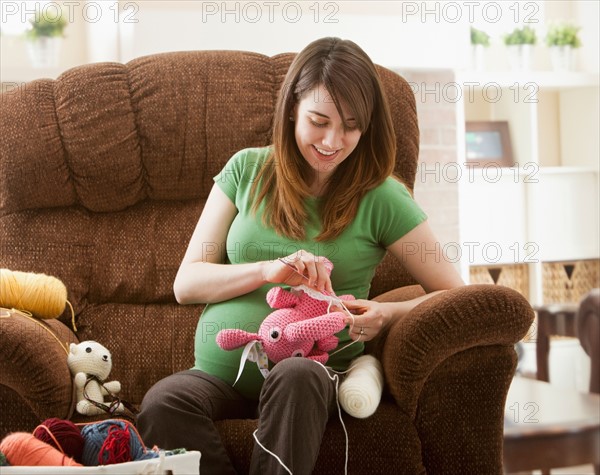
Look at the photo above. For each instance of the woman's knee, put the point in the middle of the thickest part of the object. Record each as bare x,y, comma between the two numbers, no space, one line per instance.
298,377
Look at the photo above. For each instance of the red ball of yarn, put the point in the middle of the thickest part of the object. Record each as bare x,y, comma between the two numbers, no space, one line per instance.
62,435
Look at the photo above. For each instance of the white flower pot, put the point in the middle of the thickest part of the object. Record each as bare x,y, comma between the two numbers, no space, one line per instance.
44,52
562,58
520,57
477,57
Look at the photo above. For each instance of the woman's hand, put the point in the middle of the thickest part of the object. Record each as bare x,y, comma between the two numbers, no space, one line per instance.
301,267
370,318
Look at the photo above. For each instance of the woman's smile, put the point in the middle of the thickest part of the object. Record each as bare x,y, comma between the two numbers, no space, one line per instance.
325,155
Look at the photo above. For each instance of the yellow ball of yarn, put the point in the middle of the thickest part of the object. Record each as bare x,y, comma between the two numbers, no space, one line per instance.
42,295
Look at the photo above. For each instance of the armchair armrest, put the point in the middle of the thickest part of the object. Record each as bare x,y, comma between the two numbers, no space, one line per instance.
449,323
33,363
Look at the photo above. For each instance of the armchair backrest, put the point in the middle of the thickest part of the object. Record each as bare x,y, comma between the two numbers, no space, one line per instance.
103,172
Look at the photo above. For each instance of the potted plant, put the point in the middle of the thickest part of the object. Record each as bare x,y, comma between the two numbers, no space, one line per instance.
562,38
44,38
479,41
519,44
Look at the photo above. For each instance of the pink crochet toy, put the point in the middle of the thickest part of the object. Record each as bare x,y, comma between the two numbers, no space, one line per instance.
300,326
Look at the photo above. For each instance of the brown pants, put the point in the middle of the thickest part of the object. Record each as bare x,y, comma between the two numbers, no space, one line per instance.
296,401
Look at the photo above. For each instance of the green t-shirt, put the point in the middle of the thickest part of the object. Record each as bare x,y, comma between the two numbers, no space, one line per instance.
385,214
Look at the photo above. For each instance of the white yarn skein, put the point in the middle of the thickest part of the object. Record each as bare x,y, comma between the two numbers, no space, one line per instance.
360,392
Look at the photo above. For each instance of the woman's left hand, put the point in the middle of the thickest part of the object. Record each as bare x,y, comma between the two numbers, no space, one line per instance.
370,318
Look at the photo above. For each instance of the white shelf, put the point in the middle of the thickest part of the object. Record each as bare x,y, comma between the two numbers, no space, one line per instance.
546,208
478,172
543,79
567,170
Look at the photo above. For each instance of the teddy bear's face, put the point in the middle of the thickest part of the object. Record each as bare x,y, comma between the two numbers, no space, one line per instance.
89,357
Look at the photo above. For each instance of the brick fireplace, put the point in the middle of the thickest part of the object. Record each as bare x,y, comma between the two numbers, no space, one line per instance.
436,183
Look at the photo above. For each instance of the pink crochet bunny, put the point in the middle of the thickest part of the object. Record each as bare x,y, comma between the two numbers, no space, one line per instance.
300,326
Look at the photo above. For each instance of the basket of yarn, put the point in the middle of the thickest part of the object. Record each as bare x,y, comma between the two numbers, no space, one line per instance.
40,295
113,446
57,442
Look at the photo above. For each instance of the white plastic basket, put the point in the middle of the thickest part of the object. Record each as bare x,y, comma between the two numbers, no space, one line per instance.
180,464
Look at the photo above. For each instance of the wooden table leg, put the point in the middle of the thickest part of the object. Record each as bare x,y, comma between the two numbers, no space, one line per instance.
552,320
542,348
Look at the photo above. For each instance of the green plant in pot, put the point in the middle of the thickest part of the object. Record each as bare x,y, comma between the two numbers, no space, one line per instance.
521,36
44,38
562,38
480,40
519,44
479,37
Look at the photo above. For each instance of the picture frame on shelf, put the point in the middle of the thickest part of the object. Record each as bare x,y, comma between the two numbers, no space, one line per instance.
488,143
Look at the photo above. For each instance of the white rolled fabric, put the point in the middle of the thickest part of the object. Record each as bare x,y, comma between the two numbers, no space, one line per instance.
360,392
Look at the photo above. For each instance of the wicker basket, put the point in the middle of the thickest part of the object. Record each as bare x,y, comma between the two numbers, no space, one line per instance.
514,276
559,288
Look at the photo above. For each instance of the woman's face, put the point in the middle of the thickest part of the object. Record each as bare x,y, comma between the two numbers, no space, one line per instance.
322,138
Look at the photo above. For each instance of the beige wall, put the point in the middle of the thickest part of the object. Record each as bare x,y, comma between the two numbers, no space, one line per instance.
395,34
388,36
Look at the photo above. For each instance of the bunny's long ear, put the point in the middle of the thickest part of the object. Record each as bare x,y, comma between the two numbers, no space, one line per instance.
231,339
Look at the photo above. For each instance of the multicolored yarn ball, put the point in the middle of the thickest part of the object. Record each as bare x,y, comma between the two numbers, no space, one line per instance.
62,435
113,441
22,448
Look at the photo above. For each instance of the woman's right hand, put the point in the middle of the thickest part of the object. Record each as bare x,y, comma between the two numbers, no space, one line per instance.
301,267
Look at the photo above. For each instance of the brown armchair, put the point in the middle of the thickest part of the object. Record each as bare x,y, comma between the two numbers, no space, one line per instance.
103,174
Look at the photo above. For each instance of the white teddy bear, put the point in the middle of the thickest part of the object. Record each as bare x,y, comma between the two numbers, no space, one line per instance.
90,363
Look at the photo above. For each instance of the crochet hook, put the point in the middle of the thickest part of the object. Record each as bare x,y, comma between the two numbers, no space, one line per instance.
293,268
324,292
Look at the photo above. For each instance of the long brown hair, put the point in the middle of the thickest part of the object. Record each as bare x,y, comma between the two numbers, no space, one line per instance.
350,77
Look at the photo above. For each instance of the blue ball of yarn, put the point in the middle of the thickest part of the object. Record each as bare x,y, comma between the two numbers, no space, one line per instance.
94,436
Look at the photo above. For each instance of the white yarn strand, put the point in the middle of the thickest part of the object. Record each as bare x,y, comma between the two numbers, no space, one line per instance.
335,378
271,453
